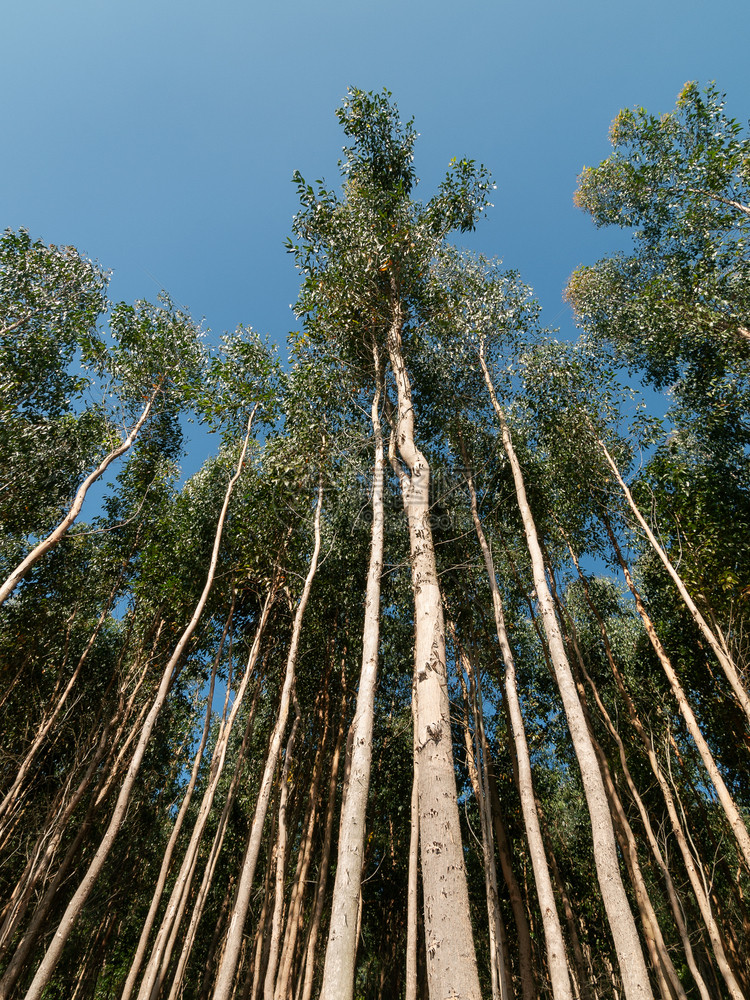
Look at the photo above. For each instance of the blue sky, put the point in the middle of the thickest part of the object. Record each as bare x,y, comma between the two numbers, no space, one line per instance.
160,137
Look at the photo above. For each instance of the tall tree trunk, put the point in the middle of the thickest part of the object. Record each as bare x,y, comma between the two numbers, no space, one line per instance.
161,952
412,894
338,971
696,877
728,804
726,662
213,857
295,918
305,992
554,941
622,925
230,959
476,762
666,976
674,900
61,530
73,910
12,794
135,966
451,959
281,859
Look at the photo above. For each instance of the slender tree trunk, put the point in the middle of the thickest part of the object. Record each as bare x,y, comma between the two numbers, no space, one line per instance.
674,901
61,530
666,976
230,959
338,971
295,918
73,910
320,892
451,959
476,762
725,661
554,941
731,811
696,877
281,860
505,853
213,857
622,925
12,793
412,893
161,952
140,953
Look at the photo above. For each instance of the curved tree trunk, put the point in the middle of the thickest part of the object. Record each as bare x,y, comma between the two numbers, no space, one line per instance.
412,888
135,966
451,959
61,530
233,946
338,972
726,662
281,859
213,857
554,941
696,877
305,987
622,925
477,765
161,953
73,910
674,901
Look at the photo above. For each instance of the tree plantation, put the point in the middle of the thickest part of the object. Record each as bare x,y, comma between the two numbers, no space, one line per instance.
432,683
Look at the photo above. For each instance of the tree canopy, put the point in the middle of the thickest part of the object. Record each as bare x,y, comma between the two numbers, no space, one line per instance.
432,682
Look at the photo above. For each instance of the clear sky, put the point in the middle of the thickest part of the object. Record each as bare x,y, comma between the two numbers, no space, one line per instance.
160,136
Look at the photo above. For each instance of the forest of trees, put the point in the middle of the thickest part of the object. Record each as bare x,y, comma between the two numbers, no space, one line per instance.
433,681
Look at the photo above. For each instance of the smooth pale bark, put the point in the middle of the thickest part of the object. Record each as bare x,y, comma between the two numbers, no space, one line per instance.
75,508
476,748
140,953
726,801
412,892
674,900
305,986
161,952
295,918
697,877
73,910
666,976
107,750
11,796
230,959
341,951
517,905
37,924
553,936
213,857
726,662
622,925
629,848
451,959
281,859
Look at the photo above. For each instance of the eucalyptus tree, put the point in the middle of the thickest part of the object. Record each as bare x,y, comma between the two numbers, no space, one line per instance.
681,180
73,910
484,318
301,456
51,300
560,397
364,257
154,357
